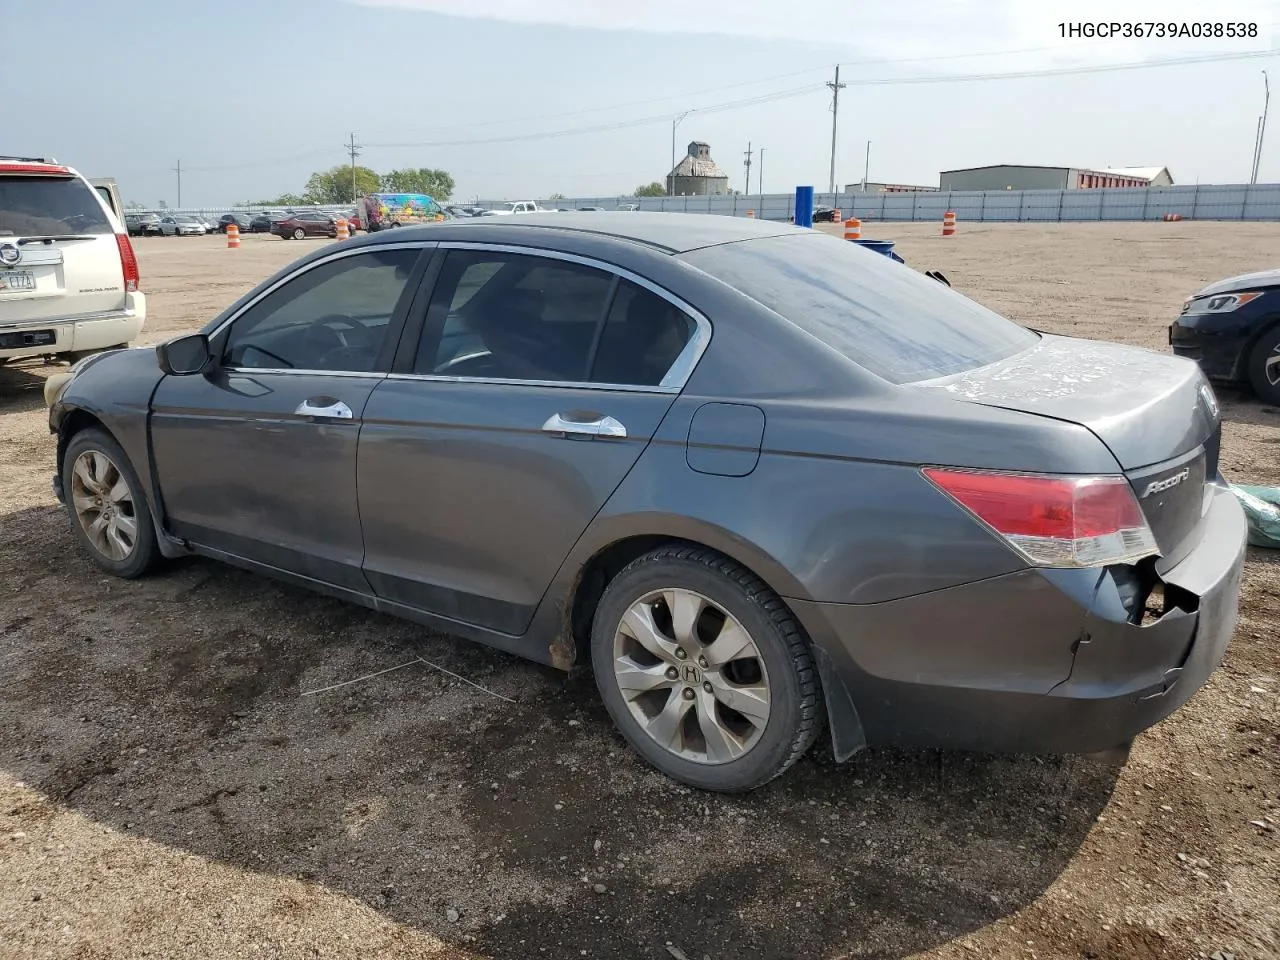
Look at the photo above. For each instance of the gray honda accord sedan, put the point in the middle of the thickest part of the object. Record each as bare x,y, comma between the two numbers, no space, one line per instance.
760,480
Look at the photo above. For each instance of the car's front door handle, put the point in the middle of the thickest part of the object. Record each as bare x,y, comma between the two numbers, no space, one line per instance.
326,407
578,425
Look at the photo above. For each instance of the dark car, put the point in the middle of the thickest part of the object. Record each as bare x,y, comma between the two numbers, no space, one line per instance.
143,224
754,477
825,215
1232,329
261,223
298,226
242,221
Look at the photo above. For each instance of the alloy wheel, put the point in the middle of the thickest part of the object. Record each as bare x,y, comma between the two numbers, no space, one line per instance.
104,505
1271,368
691,676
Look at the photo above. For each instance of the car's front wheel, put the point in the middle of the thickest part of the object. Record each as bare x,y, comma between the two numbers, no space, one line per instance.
704,669
107,505
1264,366
299,233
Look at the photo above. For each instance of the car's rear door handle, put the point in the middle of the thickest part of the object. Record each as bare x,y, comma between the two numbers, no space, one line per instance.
326,407
577,425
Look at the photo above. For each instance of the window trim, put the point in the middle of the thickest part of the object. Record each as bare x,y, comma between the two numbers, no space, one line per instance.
673,382
412,286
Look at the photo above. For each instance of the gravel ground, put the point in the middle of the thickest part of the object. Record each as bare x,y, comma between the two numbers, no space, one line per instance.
171,785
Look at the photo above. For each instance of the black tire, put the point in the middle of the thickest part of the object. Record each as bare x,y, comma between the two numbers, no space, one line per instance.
796,712
145,552
1266,349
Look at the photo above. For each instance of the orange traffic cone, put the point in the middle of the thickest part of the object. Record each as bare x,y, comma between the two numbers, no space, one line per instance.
343,232
949,223
233,236
853,229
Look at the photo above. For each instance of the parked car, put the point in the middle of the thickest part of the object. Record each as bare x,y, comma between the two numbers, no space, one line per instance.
68,273
143,224
242,221
824,215
181,225
591,209
260,223
1232,329
866,500
209,223
298,226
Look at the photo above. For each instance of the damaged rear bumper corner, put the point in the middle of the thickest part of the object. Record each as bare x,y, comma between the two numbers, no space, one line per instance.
1119,677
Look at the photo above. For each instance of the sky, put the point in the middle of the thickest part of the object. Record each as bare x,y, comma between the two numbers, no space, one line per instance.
520,99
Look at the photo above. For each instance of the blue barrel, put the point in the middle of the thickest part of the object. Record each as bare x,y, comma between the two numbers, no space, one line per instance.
884,247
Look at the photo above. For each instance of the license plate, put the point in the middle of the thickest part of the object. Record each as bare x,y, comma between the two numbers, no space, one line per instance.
17,280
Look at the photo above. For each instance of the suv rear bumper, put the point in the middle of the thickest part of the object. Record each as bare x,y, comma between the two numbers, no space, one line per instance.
95,331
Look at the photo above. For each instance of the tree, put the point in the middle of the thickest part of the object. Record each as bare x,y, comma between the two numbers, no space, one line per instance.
654,189
556,196
434,183
284,200
334,186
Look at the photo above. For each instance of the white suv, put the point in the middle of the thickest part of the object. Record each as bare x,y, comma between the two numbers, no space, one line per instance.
68,274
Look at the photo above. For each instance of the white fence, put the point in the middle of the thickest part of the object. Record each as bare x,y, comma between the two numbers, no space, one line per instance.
1196,202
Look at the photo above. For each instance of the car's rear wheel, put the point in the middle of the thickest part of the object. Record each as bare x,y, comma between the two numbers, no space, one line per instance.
704,669
1264,366
107,505
299,233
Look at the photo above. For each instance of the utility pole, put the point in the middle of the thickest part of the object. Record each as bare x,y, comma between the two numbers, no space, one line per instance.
835,86
866,169
747,164
1262,127
671,185
353,148
178,171
760,173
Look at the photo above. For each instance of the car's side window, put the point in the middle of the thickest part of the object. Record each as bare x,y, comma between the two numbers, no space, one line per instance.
643,336
513,316
333,317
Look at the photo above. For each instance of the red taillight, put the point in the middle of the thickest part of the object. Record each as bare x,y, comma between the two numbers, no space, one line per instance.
1054,521
128,263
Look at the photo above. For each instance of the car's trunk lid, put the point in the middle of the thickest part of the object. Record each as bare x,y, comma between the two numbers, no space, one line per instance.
1156,414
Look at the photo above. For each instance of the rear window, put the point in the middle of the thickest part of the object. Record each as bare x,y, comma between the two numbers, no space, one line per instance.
45,206
897,323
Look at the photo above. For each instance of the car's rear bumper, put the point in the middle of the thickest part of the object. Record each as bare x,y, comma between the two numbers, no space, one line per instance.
1035,661
34,338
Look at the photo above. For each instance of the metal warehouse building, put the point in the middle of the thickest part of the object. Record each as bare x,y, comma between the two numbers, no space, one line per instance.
1009,177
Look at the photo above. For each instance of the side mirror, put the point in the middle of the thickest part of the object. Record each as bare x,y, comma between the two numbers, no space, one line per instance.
184,356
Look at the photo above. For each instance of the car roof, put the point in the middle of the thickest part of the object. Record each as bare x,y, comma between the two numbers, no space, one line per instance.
672,232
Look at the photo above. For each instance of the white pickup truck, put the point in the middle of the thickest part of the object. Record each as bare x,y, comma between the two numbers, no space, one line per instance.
520,206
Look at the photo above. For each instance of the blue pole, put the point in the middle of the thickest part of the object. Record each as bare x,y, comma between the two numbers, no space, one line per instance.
804,206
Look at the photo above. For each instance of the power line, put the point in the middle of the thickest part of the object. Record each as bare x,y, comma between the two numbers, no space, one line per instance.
762,99
1066,71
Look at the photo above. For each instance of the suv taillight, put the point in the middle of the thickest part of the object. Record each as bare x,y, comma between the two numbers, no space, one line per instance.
128,263
1054,521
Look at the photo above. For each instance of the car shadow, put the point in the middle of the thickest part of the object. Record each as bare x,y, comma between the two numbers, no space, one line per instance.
22,387
198,708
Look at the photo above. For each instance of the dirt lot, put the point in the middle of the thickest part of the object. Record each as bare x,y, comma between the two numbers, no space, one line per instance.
170,785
